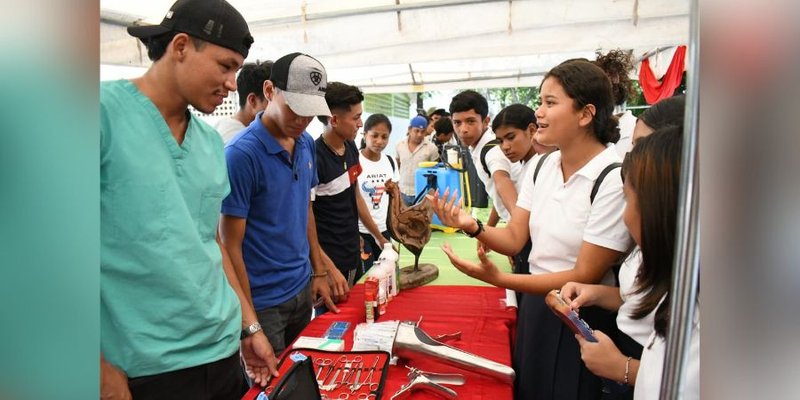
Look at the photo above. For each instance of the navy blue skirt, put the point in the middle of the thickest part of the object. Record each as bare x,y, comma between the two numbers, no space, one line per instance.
547,358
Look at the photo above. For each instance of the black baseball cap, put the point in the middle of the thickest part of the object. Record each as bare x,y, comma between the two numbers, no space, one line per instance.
215,21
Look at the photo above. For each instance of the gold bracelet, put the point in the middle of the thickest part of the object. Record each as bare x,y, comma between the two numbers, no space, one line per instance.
627,369
321,275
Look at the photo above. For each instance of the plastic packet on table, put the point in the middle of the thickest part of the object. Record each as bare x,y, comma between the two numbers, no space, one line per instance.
375,336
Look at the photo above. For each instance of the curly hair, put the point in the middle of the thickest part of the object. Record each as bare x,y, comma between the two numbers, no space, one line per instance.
617,64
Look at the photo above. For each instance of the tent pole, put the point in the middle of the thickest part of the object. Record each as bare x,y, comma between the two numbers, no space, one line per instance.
687,246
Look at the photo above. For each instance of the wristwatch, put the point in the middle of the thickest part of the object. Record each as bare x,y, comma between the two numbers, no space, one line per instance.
250,330
477,231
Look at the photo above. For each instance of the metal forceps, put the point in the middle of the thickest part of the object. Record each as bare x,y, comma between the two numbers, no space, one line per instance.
322,363
361,396
348,368
355,359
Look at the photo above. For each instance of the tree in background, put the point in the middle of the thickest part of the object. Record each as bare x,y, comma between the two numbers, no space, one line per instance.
528,96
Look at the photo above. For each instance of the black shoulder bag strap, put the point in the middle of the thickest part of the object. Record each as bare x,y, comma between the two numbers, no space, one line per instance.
539,166
485,149
595,189
599,180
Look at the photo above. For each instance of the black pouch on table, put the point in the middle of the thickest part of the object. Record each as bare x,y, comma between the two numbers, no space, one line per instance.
306,386
298,383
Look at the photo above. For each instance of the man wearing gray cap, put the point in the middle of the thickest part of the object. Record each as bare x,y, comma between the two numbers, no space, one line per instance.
172,310
267,226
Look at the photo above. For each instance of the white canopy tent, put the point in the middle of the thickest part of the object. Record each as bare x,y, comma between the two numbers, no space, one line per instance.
386,46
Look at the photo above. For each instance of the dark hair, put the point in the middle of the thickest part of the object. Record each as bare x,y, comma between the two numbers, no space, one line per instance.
587,84
617,64
516,115
470,100
157,45
666,112
340,97
377,119
440,112
653,169
443,126
251,80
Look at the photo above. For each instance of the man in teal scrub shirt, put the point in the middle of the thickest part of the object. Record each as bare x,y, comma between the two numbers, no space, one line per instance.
173,315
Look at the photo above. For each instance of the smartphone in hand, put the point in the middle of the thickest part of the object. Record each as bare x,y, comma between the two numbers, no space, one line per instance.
561,308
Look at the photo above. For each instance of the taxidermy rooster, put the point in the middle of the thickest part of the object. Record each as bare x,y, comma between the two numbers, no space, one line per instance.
411,226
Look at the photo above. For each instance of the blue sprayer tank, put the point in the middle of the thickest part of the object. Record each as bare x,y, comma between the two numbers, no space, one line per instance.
444,178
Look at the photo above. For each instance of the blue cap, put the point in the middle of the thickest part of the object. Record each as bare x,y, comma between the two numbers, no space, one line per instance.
418,122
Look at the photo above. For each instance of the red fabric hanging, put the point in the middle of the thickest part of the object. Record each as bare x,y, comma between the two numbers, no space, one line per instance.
653,89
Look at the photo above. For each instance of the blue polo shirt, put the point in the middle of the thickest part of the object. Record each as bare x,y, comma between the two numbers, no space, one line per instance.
271,190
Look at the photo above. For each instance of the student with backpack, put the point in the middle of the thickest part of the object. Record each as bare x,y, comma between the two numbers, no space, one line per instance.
470,115
576,235
377,168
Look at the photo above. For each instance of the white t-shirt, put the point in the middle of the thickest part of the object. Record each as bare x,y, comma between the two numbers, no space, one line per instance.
638,329
562,217
228,128
371,188
651,366
626,124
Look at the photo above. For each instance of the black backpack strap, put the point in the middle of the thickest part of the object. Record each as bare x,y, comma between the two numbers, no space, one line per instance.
391,161
488,146
539,166
599,180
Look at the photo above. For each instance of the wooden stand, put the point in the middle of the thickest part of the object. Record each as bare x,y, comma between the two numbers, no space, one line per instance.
411,279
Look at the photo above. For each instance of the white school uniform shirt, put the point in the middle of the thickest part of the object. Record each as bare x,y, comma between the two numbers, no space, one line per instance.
639,330
371,188
497,161
524,166
475,152
651,366
562,217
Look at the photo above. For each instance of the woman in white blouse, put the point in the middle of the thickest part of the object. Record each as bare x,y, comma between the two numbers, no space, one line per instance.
574,236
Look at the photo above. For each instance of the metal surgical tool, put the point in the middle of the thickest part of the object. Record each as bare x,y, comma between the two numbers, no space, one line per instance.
412,341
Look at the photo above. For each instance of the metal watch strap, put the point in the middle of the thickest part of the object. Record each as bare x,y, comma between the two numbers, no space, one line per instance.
250,330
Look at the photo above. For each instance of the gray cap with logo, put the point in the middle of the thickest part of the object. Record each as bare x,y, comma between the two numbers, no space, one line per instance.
303,81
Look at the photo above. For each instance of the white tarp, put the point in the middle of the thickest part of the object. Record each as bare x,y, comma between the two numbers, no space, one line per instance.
425,45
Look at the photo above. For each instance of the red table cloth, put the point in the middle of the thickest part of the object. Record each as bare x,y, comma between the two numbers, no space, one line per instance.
487,329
